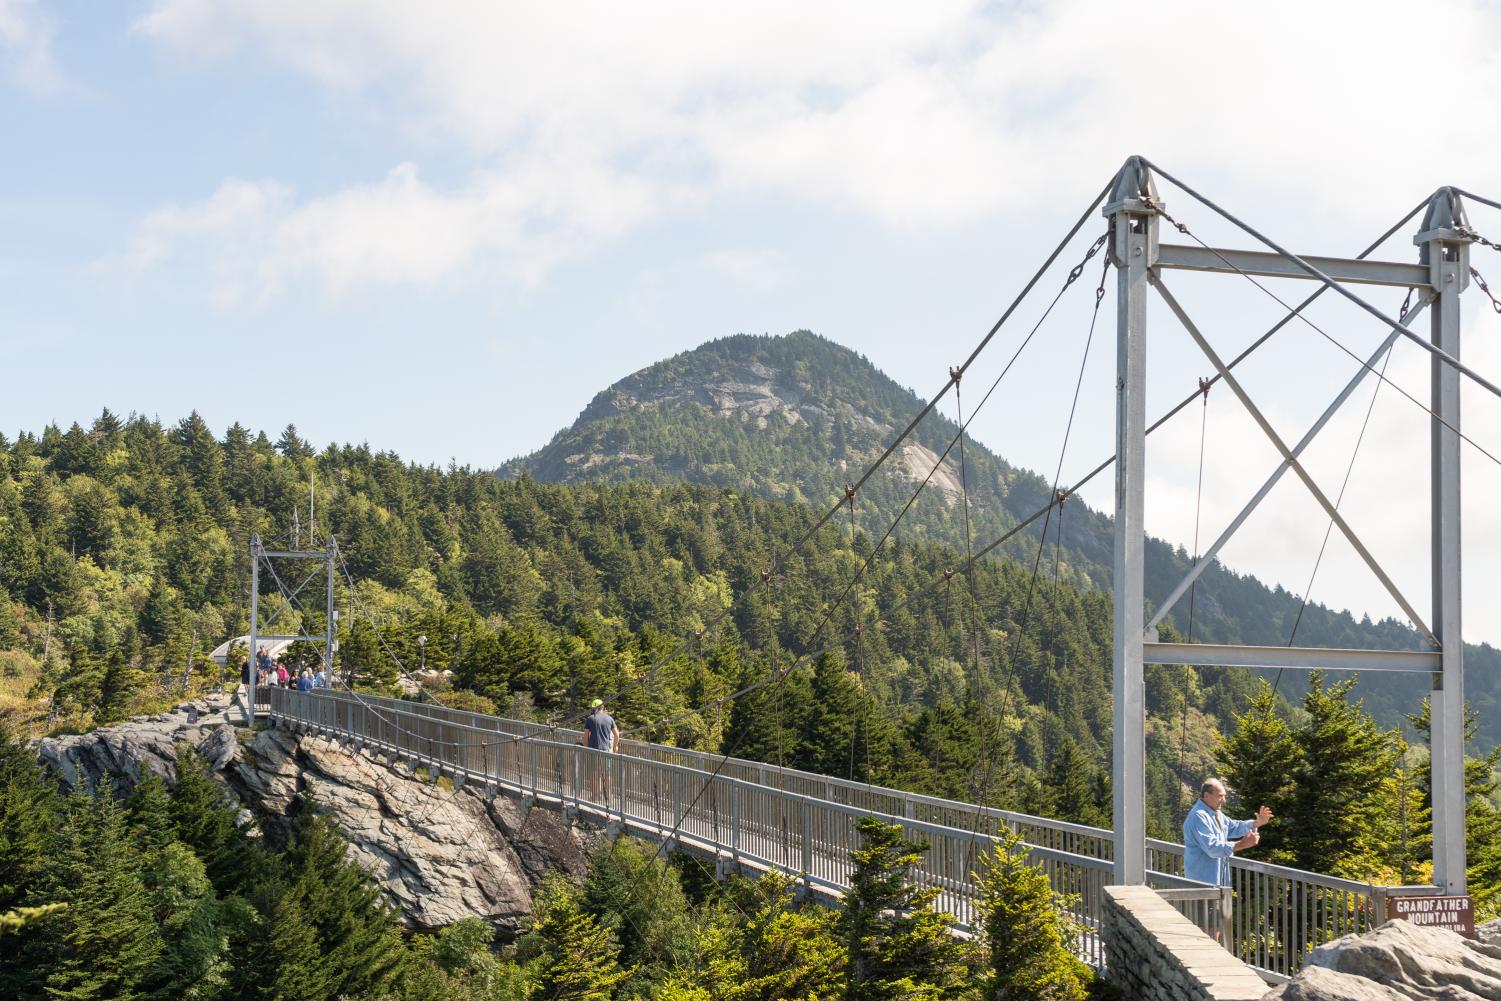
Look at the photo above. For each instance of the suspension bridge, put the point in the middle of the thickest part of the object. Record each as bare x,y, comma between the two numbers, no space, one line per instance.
751,814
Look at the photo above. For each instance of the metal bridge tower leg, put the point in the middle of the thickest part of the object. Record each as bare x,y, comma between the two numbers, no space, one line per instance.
1445,249
255,629
1133,246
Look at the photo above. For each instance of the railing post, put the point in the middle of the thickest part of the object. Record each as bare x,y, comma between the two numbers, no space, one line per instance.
735,823
677,817
807,862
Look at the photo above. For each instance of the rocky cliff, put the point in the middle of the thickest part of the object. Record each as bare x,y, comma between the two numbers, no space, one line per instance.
440,853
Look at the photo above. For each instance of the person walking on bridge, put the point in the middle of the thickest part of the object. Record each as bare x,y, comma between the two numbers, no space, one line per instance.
1210,839
600,734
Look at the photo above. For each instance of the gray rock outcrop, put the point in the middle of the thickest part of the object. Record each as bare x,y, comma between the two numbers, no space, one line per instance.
1401,960
440,853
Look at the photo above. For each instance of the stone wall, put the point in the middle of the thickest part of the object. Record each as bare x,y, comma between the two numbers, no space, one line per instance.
1154,953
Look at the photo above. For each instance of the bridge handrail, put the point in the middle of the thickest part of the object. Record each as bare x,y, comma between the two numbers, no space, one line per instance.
528,729
1281,912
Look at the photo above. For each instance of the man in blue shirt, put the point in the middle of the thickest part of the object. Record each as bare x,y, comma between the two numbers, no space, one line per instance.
1209,839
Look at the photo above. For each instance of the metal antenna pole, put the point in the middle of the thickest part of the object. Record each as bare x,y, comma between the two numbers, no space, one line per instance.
1133,247
1446,252
255,628
330,621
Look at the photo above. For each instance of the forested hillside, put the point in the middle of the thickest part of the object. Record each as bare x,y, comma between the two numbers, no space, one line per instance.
124,550
124,559
796,417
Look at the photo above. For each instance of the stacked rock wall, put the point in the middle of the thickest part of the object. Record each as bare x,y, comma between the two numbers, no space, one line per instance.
1154,953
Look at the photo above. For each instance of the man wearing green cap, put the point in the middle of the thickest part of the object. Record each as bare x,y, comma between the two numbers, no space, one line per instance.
600,734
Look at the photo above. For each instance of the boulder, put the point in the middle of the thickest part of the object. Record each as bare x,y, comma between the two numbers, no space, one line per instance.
1399,960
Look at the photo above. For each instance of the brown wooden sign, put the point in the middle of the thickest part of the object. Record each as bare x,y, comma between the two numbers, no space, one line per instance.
1453,913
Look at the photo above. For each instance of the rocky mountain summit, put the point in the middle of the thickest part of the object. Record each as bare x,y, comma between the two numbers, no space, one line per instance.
440,853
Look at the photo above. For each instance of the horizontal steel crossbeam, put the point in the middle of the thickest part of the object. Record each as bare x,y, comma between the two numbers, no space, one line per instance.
320,638
1270,265
1292,657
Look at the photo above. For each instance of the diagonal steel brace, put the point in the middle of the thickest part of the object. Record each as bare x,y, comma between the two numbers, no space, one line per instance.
1207,557
1291,459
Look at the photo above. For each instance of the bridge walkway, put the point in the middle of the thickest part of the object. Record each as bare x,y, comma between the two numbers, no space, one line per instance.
762,816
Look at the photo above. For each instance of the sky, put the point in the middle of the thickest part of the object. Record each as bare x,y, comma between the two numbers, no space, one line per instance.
441,228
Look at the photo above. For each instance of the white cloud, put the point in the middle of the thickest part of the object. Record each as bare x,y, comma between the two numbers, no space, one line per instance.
26,47
920,115
760,269
395,231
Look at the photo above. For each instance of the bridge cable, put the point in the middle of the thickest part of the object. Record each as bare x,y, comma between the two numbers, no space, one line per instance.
1042,543
1349,469
1313,272
1183,228
969,548
1188,669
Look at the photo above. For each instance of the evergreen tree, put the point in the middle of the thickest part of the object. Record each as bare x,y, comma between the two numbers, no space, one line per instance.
106,942
29,836
206,821
1482,813
898,946
786,952
192,963
358,938
1030,941
1260,762
639,899
577,959
1345,757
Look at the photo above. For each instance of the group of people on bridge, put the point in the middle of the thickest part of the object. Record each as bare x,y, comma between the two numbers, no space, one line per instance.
273,672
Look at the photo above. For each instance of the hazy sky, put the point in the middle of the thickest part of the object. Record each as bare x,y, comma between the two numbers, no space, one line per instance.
442,227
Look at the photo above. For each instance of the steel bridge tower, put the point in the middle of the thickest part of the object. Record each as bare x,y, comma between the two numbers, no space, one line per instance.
1440,274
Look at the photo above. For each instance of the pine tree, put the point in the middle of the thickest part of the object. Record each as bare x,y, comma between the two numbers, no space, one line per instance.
29,822
1482,814
206,821
578,959
1029,938
1345,758
293,965
898,945
192,964
639,899
786,951
1260,761
358,935
106,942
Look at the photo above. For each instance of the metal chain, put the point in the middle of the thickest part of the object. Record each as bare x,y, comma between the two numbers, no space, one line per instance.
1495,303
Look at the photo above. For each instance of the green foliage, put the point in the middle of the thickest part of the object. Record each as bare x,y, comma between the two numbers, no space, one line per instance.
1344,758
576,958
639,899
898,945
1029,938
1260,761
106,943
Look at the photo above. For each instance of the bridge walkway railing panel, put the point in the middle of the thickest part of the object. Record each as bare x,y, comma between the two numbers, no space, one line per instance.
805,824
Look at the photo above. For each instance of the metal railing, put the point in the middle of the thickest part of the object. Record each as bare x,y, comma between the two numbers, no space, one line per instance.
771,817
